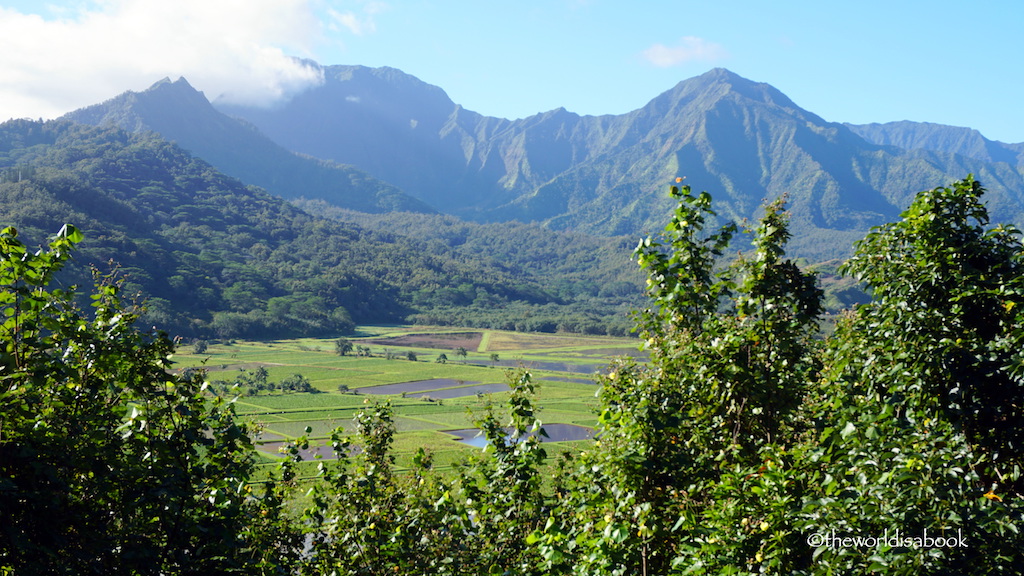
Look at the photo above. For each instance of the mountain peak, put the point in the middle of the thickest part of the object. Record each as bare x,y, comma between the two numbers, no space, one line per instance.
179,88
723,81
713,89
166,81
722,74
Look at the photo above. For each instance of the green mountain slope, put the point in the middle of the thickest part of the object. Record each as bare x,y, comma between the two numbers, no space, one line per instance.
217,258
180,113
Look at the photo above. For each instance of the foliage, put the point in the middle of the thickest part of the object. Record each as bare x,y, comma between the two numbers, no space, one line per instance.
732,352
503,491
948,296
923,395
342,346
749,447
108,464
364,518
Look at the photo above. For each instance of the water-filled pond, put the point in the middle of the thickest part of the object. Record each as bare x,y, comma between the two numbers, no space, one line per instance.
556,433
414,386
274,448
463,391
569,367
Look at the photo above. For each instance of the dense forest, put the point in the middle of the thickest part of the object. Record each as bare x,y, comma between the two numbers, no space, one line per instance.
747,445
214,258
592,277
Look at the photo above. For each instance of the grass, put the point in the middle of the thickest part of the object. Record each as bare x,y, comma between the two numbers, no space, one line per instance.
419,422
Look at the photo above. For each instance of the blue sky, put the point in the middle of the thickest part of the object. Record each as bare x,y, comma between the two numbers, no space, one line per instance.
869,61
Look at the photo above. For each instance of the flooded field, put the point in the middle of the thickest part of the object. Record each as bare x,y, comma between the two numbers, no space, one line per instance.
530,364
463,391
415,386
556,433
568,379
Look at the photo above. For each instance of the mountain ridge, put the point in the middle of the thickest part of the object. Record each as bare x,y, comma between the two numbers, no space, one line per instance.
744,141
182,114
941,138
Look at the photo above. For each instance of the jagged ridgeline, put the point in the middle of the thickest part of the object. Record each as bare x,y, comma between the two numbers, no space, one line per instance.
377,140
182,114
216,258
742,141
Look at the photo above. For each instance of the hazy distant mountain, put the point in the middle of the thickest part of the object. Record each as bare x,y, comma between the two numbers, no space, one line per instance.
742,141
927,136
395,127
178,112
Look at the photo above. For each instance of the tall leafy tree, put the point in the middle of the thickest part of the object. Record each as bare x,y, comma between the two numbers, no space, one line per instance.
948,300
108,463
920,409
747,446
731,352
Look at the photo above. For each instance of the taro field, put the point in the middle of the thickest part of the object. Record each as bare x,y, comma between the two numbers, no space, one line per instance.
439,382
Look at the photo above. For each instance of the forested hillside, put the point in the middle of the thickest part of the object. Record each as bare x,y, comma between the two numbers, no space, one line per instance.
594,273
215,258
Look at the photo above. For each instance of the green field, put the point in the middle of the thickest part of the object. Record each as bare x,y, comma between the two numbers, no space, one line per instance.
561,365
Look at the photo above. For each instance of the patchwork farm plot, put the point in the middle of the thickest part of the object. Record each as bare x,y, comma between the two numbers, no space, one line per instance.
439,381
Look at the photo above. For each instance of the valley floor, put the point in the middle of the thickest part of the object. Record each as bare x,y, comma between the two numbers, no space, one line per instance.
455,377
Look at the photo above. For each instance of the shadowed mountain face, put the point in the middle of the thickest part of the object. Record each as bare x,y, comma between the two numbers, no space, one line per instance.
390,142
178,112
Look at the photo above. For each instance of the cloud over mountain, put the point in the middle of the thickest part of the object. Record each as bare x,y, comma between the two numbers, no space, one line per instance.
688,49
235,50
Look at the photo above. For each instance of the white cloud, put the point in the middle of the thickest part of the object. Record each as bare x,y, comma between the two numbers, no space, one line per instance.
689,49
239,50
358,22
352,22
